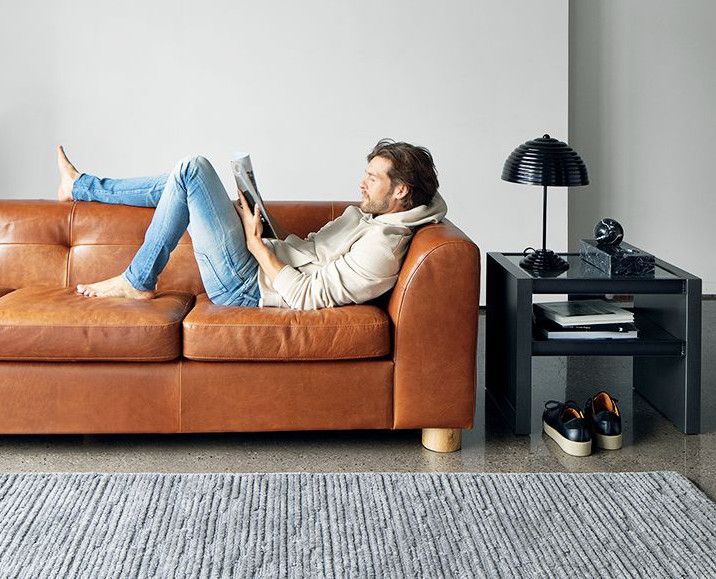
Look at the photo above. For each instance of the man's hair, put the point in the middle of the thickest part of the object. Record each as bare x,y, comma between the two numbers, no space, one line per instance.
412,166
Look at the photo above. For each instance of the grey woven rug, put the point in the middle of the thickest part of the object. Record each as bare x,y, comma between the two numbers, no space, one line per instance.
355,525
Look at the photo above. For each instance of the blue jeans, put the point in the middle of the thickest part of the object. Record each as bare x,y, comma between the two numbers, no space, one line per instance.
191,198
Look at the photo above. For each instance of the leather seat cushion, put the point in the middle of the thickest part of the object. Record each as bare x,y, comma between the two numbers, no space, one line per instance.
56,323
216,332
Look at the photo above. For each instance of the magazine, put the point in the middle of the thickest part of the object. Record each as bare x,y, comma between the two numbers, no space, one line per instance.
245,181
580,312
553,330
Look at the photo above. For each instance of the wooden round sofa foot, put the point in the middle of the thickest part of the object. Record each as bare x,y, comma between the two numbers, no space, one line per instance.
442,439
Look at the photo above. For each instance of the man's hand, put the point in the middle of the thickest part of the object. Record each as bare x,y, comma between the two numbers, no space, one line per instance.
253,227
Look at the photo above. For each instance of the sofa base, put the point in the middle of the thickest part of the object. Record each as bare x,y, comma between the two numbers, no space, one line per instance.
282,396
89,397
189,396
185,396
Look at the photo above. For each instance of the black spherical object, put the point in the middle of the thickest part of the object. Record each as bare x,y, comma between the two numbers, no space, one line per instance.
545,161
608,232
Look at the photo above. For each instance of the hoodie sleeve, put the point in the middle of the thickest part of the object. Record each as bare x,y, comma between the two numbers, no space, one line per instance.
369,269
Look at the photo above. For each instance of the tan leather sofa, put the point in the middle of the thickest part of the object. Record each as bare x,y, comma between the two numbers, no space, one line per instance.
178,363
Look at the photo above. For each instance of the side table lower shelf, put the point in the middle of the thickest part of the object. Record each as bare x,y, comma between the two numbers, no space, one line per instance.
653,340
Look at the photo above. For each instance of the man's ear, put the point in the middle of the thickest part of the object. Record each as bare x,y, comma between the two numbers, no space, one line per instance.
401,192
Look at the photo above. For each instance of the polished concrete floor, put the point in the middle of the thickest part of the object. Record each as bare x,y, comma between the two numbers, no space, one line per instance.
651,442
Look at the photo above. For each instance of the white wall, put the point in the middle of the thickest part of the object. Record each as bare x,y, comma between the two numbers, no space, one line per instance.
642,114
307,87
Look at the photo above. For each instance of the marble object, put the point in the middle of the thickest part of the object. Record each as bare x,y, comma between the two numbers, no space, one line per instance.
608,232
617,260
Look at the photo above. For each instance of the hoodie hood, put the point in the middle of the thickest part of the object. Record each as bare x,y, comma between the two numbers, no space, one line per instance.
416,216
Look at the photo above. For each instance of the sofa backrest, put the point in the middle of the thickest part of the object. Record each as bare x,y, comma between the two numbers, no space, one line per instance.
63,244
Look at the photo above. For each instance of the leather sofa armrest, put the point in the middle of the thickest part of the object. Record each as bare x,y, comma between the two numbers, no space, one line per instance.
434,308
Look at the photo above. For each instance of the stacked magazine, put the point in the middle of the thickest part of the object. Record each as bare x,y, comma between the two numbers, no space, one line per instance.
584,319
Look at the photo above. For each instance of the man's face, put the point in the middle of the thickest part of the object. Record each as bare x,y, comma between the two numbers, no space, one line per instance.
378,197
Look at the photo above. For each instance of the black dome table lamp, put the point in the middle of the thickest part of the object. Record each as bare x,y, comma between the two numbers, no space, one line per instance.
550,163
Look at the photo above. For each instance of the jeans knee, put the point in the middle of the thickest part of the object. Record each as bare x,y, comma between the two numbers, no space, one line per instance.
191,165
201,163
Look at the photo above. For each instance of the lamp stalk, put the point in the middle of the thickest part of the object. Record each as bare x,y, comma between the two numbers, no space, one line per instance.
544,218
544,261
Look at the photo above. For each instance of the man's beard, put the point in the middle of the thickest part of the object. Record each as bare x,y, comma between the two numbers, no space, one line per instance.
377,207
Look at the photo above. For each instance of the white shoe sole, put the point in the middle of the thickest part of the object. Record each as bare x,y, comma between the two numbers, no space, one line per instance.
613,442
568,446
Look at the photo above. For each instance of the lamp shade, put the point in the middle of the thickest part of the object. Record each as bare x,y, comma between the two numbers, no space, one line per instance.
545,161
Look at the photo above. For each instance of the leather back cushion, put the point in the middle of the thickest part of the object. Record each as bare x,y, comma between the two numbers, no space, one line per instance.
63,244
34,242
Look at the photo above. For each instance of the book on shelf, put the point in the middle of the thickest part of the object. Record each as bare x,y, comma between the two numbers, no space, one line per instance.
552,330
584,312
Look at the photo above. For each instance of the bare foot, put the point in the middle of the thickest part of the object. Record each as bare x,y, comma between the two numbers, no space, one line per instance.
113,287
68,175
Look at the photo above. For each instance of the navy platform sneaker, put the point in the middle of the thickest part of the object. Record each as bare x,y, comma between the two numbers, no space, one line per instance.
604,420
565,424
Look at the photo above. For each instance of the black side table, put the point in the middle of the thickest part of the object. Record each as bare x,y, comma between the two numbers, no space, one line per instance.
667,353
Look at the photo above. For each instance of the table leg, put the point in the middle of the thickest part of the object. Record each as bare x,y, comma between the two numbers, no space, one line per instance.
508,347
673,384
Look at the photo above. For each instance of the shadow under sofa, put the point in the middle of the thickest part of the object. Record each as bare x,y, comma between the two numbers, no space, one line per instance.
178,363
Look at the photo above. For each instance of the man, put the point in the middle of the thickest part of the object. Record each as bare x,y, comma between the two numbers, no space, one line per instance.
352,259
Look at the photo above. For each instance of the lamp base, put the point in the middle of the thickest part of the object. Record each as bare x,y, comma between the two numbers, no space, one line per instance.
544,261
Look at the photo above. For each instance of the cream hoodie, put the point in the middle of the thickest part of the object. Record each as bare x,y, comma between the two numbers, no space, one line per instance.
350,260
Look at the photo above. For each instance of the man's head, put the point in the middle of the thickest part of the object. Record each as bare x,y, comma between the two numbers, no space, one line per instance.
399,177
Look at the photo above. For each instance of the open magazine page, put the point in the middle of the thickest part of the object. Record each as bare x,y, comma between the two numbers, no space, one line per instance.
245,181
